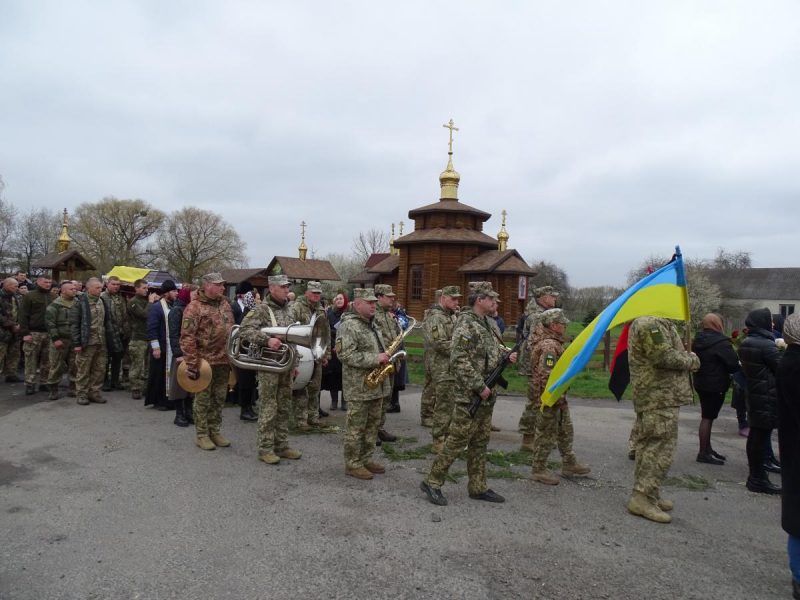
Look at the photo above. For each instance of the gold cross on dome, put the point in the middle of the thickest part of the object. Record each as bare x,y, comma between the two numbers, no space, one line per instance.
451,126
303,229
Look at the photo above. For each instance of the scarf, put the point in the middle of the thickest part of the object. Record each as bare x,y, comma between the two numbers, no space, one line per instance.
791,329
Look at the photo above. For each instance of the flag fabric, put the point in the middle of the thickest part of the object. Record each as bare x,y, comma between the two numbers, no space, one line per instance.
619,368
660,294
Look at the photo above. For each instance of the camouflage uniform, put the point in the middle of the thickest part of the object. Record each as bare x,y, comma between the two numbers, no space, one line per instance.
204,334
476,350
390,329
530,416
62,360
274,389
306,401
9,341
119,307
660,368
438,330
358,343
138,348
91,361
427,400
32,323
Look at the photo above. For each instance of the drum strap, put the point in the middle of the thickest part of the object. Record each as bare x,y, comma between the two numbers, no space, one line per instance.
271,316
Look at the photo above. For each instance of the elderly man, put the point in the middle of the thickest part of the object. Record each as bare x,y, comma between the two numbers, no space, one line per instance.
120,307
62,358
207,321
274,389
94,334
360,348
306,401
33,328
9,330
476,350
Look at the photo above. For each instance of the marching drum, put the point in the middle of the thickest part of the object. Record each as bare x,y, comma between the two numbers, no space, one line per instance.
306,368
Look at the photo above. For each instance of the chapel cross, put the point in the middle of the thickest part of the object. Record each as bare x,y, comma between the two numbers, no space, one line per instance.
303,229
451,126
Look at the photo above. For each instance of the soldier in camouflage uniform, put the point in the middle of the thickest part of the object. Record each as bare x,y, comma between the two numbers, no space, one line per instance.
274,389
207,321
138,348
428,398
390,329
94,334
9,329
660,368
475,352
554,426
120,307
360,348
33,329
438,331
306,401
62,357
544,298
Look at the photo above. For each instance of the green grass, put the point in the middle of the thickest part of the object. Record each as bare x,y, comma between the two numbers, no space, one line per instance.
696,483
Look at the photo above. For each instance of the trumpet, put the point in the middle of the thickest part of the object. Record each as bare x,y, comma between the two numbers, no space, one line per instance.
377,375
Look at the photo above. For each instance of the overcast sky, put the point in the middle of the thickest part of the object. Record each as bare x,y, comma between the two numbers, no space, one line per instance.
609,131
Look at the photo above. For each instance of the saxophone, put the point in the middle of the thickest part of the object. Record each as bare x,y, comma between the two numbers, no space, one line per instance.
376,377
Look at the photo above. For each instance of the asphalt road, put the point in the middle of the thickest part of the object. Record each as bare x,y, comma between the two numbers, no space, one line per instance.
113,501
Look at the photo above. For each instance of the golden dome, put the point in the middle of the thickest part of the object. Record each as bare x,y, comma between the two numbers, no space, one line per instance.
448,180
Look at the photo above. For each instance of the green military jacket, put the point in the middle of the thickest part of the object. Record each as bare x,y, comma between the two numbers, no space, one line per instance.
9,315
119,307
57,318
137,318
31,311
476,351
358,343
544,355
438,332
302,311
531,329
267,314
386,324
204,331
659,365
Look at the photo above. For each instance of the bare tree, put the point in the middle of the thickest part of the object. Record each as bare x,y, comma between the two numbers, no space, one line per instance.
7,215
115,232
34,235
548,273
735,260
367,243
194,242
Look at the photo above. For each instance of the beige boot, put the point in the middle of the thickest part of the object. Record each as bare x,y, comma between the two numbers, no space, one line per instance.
219,440
527,442
544,476
359,473
269,457
204,443
575,469
290,453
376,468
664,504
641,505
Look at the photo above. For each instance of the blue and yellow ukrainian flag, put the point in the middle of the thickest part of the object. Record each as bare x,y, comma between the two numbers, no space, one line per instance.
660,294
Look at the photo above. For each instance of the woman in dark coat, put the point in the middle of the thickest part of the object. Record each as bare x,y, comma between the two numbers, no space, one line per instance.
760,357
788,382
718,361
181,398
332,372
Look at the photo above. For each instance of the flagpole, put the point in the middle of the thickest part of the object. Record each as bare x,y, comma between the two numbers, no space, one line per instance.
688,340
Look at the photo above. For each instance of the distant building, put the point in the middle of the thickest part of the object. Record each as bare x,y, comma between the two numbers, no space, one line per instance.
64,263
746,289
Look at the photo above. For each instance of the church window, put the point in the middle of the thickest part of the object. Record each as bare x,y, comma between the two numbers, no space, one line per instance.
416,282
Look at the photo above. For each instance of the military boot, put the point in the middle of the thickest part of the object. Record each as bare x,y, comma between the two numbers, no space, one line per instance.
53,395
290,453
376,468
204,443
83,401
269,457
574,469
642,506
219,440
664,504
527,442
359,473
544,476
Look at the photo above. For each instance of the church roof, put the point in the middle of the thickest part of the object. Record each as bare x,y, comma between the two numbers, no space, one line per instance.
388,265
449,206
239,275
769,283
55,260
365,277
498,261
310,269
447,236
375,258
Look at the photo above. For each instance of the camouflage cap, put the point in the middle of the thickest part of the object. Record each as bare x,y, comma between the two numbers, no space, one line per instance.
451,290
367,294
314,286
278,280
483,287
553,315
384,289
213,278
545,290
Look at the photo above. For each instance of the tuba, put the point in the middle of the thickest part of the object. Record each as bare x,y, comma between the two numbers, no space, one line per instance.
257,357
375,377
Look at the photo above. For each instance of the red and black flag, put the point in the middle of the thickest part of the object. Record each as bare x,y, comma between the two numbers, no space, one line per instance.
620,371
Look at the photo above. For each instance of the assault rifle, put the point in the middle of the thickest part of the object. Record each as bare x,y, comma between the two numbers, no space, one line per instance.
495,377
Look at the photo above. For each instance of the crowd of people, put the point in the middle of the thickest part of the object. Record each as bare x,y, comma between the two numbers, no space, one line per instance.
91,335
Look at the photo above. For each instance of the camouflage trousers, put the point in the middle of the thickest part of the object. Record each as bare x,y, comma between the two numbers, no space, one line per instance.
36,352
656,440
62,360
530,416
275,403
387,401
306,401
632,437
553,428
428,399
443,409
469,433
208,404
361,431
9,356
139,354
91,367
